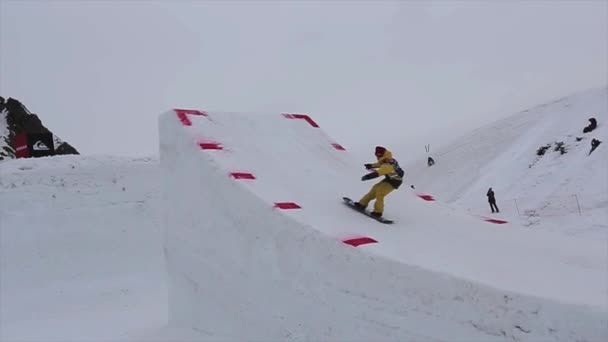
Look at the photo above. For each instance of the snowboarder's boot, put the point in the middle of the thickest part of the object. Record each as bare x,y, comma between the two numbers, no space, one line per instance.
359,206
376,214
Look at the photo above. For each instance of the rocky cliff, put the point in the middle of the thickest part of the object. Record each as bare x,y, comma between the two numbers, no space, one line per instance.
15,119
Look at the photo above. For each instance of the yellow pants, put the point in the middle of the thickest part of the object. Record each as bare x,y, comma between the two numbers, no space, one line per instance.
377,192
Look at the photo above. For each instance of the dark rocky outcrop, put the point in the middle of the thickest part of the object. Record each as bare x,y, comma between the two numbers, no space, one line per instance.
20,120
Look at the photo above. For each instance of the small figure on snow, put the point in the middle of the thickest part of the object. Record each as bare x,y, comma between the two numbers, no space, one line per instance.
594,144
388,167
429,161
492,200
592,125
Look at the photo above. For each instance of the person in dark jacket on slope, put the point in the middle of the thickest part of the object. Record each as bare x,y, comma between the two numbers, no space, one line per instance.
492,200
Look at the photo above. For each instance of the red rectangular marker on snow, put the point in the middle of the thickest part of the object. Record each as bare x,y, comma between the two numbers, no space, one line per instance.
190,111
426,197
182,115
210,146
359,241
491,220
184,119
303,117
338,147
242,175
286,205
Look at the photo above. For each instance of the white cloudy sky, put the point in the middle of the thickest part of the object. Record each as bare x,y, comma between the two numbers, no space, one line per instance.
403,73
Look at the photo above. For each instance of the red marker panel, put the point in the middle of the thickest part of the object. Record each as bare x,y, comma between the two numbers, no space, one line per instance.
360,241
491,220
182,115
287,205
242,175
426,197
303,117
211,146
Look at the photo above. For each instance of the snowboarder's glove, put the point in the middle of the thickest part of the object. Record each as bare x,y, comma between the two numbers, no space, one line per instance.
369,176
368,166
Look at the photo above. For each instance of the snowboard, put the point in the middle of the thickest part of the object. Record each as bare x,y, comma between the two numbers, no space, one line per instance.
350,203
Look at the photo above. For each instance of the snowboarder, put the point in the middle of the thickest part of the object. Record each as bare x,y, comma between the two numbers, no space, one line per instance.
388,167
492,200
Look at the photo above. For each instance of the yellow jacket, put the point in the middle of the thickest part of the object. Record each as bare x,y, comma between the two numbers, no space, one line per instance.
389,167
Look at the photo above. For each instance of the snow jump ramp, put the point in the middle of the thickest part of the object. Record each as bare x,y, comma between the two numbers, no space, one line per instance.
259,246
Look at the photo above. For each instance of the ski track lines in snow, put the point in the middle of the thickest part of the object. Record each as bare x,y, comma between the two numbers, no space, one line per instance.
253,217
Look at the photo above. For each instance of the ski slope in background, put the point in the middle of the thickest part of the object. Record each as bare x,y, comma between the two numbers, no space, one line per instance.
254,216
563,193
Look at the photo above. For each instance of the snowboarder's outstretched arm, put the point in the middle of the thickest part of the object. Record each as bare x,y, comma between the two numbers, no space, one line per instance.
370,175
384,169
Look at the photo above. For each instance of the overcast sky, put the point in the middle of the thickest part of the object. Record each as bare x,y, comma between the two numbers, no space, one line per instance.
405,73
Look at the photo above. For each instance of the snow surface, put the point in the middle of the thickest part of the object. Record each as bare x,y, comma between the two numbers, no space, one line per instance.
226,242
119,249
80,253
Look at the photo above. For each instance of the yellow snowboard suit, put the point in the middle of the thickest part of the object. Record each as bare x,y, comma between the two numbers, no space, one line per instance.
389,168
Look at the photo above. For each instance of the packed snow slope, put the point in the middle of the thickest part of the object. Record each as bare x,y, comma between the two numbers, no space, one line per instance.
566,193
258,244
80,249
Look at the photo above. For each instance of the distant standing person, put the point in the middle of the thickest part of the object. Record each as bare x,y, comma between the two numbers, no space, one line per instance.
492,200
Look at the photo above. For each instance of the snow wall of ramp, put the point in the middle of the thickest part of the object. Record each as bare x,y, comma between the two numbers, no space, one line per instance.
254,250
